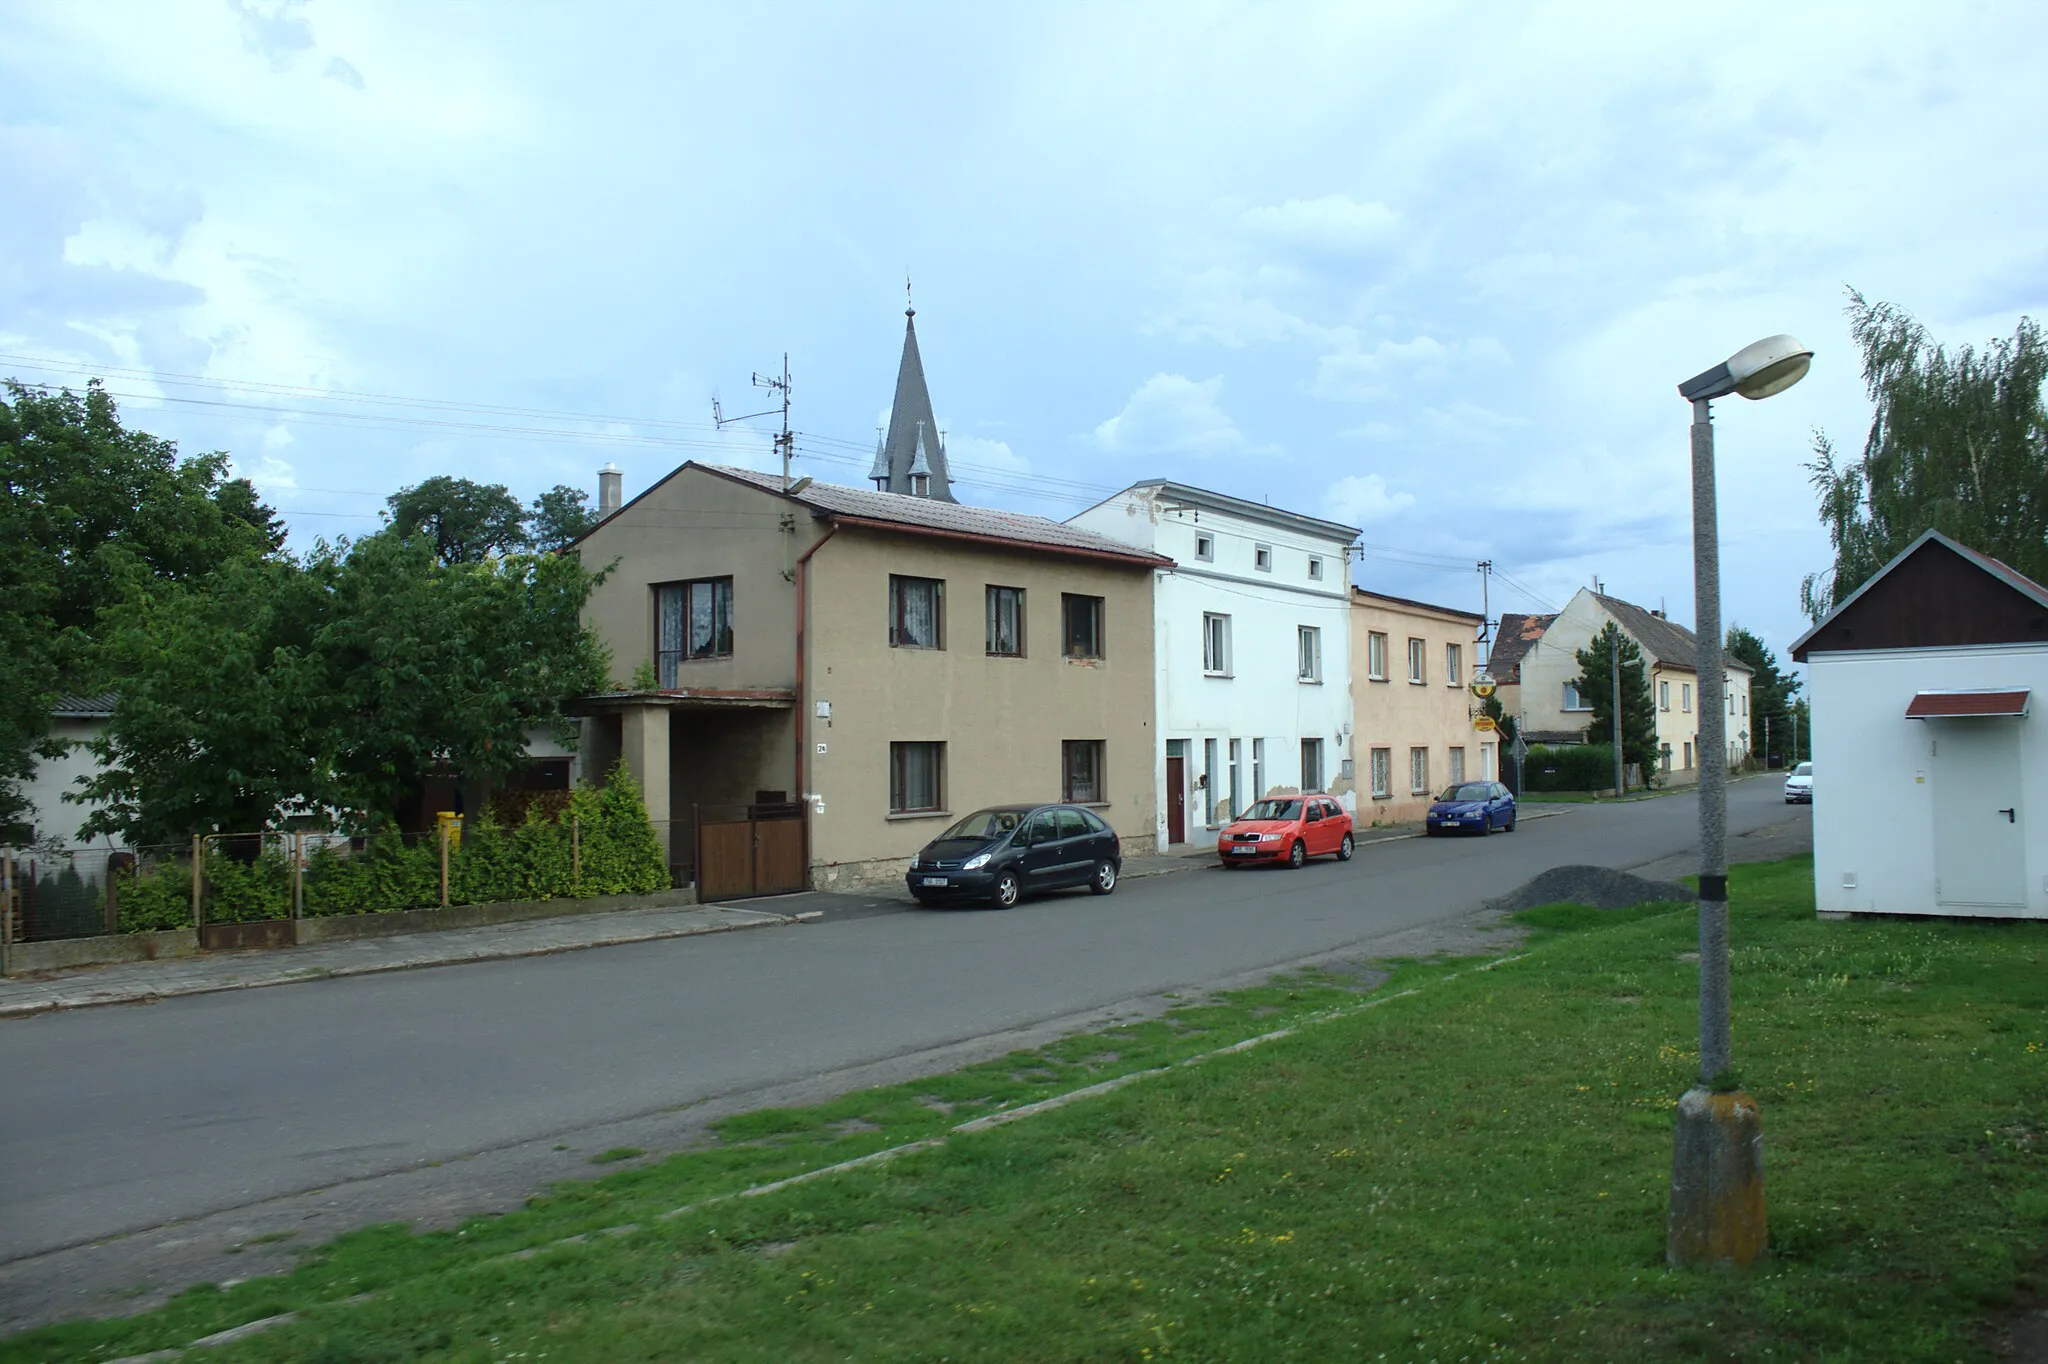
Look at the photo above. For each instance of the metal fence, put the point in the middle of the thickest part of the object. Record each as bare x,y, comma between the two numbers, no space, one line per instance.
50,892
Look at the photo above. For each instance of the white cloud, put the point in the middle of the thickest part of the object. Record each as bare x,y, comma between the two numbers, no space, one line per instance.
1335,224
341,69
1361,499
969,455
1171,413
1362,375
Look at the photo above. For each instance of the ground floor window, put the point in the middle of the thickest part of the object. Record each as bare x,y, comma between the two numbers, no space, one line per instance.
1456,773
1311,764
1383,772
1258,769
916,777
1081,771
1418,771
1667,757
1688,757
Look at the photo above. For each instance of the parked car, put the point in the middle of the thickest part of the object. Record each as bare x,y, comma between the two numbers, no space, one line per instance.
1006,852
1289,829
1799,785
1477,807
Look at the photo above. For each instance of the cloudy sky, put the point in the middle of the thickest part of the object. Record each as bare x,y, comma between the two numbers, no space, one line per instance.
1433,269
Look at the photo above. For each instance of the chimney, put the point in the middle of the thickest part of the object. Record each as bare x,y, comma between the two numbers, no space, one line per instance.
610,490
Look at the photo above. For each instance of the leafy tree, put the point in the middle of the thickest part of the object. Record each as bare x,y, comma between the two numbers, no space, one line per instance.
1958,443
93,514
1639,713
465,522
1770,692
560,516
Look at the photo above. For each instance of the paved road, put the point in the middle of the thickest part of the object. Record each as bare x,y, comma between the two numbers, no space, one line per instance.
122,1119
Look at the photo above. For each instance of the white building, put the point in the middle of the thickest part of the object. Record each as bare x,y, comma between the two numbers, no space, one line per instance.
1930,768
1252,647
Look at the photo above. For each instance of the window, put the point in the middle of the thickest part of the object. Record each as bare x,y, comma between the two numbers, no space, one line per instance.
1685,700
1745,703
1572,699
1209,781
1309,664
1236,780
915,771
1376,656
1080,626
1315,568
691,620
1074,824
1311,764
915,613
1382,773
1205,548
1258,768
1081,771
1665,753
1416,662
1215,644
1262,558
1418,771
1663,696
1457,766
1454,665
1005,621
1688,757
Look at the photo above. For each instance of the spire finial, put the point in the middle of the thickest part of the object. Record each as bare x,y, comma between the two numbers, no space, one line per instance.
909,309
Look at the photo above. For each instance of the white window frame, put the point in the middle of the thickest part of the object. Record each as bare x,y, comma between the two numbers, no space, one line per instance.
1454,665
1383,774
1685,699
1455,766
1308,663
1664,698
1312,745
1215,644
1418,661
1418,771
1376,655
1574,703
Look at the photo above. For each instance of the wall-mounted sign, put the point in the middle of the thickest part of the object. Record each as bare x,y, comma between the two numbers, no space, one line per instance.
1484,724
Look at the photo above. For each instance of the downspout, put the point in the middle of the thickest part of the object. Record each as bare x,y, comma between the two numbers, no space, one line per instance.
803,690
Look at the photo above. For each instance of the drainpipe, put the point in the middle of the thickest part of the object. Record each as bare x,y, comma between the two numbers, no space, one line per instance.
803,691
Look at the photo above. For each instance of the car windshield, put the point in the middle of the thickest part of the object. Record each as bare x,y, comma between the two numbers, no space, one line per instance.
1803,770
1471,790
1274,809
983,824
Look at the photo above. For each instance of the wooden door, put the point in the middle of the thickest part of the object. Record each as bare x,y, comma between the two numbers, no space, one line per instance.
1176,800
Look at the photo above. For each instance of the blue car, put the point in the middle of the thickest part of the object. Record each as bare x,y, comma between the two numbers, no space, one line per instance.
1472,807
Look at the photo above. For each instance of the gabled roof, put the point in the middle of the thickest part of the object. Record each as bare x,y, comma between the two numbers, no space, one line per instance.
1358,592
1958,623
1663,640
1518,635
910,418
1168,490
948,520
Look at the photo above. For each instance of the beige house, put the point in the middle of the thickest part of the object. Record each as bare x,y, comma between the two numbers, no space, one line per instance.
886,661
1412,710
1536,664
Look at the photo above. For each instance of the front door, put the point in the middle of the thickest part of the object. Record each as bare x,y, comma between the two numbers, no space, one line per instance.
1176,799
1980,851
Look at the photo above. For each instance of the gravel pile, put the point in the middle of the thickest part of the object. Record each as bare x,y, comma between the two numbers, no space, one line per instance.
1600,887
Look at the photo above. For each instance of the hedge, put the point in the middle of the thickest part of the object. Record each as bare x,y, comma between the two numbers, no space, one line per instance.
1568,767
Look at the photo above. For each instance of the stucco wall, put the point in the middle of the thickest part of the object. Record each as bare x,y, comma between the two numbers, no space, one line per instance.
51,815
1398,715
1002,719
1874,773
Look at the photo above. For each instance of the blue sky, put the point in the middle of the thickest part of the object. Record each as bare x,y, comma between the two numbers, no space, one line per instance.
1432,269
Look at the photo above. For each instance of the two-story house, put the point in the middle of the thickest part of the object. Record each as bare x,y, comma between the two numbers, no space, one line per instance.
1536,665
1251,625
1412,711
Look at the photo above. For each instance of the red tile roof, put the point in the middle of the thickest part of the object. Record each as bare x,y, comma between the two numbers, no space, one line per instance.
1936,705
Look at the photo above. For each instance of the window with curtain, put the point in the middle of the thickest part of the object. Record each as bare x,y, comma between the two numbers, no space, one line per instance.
914,612
1081,769
1383,772
691,621
1418,771
1457,766
1080,626
1005,621
915,770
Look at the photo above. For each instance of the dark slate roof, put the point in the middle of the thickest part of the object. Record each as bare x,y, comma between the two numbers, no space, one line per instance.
1663,641
913,436
1518,634
75,707
1459,612
950,519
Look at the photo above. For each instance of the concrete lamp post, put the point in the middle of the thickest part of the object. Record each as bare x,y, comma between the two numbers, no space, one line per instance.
1717,1164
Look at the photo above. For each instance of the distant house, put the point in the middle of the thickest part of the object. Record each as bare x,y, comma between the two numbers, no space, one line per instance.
1930,763
74,721
1252,646
1535,662
1412,729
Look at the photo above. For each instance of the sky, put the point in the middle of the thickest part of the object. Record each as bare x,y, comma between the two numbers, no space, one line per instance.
1433,270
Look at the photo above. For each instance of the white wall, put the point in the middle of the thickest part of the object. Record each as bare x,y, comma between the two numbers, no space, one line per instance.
1873,787
52,816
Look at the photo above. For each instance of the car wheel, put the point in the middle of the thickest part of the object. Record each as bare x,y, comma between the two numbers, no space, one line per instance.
1511,824
1228,865
1485,825
1007,891
1297,856
1345,849
1431,831
1104,880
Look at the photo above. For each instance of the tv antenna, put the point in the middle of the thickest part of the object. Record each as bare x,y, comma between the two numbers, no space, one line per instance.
785,443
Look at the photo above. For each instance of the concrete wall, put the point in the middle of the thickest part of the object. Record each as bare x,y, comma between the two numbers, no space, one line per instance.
1261,700
51,815
1396,714
1002,719
1874,773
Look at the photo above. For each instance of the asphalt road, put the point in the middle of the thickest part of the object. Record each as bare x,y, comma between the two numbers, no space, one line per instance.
117,1120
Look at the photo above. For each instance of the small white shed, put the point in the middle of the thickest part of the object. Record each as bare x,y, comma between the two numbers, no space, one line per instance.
1930,756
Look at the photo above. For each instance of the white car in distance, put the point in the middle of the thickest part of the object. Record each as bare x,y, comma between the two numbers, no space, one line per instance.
1799,785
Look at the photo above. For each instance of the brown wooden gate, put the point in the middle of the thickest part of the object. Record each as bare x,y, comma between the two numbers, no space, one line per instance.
747,850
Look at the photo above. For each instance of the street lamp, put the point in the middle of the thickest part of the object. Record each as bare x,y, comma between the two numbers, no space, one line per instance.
1717,1171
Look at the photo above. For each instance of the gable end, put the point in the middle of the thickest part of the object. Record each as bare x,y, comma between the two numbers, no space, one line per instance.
1934,597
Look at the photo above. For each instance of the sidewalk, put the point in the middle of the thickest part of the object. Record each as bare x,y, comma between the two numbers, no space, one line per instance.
143,982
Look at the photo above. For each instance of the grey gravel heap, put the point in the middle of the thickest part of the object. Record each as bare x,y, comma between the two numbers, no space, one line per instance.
1600,887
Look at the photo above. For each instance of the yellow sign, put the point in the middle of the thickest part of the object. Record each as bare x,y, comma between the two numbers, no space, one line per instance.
1482,686
1484,724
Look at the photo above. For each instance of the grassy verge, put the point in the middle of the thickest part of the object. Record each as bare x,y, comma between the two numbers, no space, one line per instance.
1476,1169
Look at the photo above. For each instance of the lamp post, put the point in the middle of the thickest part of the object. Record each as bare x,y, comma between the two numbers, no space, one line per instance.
1717,1174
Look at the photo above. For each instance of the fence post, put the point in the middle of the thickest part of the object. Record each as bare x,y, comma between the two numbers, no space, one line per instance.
576,854
443,825
113,895
298,878
6,908
198,880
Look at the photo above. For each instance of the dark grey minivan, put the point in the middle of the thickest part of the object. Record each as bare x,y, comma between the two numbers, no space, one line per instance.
1006,852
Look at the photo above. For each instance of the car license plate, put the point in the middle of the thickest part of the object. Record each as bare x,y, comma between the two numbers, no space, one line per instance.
935,881
1245,850
1449,823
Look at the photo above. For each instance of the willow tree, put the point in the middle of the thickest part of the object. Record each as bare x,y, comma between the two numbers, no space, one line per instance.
1958,443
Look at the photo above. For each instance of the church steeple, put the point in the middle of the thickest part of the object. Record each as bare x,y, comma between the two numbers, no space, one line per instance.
912,457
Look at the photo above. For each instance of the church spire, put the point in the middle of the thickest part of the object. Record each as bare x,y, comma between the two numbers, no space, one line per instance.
912,438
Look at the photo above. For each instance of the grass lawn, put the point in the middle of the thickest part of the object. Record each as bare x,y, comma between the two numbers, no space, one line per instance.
1462,1163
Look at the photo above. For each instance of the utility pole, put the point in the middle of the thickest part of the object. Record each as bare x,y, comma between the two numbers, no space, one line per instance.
1485,614
1795,738
1767,743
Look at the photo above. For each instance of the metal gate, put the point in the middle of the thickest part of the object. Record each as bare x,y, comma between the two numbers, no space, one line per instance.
746,850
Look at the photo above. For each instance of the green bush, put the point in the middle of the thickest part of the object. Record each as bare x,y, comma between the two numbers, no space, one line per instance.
388,873
156,899
239,892
1568,767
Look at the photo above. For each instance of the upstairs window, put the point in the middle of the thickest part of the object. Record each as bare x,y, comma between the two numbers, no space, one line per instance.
1262,558
1315,568
1309,663
1376,656
1454,665
1417,664
1205,548
691,621
1664,700
1215,644
1685,700
915,614
1080,626
1572,699
1005,621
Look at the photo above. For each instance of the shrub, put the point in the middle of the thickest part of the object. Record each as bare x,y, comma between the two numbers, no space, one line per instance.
1568,767
388,873
155,899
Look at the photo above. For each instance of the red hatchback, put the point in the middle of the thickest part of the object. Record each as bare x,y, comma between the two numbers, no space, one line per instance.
1289,829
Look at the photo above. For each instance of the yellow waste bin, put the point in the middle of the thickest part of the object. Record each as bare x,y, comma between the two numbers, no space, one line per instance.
448,823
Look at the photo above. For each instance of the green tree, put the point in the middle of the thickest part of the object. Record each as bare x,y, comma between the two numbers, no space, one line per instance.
1770,692
560,517
1958,443
1639,713
465,522
93,514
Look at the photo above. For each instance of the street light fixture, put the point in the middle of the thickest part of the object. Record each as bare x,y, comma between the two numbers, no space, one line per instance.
1717,1172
